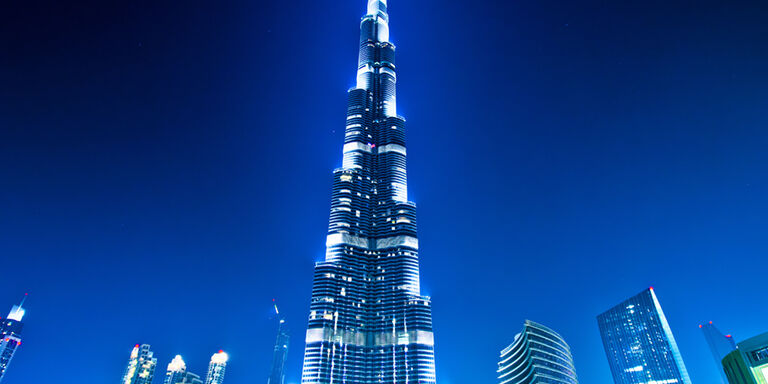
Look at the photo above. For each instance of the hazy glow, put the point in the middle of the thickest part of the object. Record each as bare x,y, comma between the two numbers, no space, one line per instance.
177,365
219,358
17,313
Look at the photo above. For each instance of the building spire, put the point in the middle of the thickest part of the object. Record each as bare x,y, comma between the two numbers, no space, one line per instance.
377,7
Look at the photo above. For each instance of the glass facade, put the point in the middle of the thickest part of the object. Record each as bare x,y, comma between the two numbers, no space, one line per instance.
639,343
10,337
368,321
538,355
280,354
720,345
141,366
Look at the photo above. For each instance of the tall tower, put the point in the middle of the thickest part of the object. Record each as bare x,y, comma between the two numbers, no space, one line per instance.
10,335
720,345
277,373
368,321
639,343
177,373
217,368
141,366
538,355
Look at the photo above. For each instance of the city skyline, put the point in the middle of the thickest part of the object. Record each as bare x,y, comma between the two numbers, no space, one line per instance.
166,173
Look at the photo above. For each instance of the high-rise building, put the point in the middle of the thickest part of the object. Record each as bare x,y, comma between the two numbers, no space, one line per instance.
141,366
720,345
639,343
217,368
177,373
368,321
537,355
10,336
748,364
277,373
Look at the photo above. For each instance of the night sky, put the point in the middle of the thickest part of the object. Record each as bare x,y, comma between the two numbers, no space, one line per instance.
165,171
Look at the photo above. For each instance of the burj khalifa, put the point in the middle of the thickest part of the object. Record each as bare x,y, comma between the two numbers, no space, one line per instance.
369,322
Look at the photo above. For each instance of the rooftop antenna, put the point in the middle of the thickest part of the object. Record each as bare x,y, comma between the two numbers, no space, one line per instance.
277,312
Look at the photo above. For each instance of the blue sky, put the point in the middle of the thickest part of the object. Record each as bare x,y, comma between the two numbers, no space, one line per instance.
166,173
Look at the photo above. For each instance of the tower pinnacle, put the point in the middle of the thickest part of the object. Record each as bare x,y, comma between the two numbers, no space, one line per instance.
376,7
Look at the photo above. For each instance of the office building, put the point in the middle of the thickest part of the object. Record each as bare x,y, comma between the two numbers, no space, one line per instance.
537,355
639,343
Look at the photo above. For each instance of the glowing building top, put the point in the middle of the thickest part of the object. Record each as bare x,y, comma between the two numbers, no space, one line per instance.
141,366
10,336
217,368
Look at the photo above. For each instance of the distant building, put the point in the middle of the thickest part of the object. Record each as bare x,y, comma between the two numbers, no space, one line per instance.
720,345
141,366
277,373
10,336
538,355
217,368
177,373
748,364
639,343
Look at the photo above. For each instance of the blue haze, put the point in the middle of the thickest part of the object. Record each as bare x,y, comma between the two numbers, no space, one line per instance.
166,172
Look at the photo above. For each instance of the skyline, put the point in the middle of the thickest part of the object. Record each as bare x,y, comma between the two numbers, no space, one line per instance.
627,145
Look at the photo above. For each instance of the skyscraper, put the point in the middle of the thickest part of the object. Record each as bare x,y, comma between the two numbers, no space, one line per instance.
177,373
141,366
639,343
748,364
720,345
368,321
538,355
217,368
277,373
10,335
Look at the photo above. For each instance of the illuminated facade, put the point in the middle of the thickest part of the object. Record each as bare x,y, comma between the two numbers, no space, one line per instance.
280,354
639,343
538,355
748,364
10,336
141,366
720,345
177,373
217,368
369,322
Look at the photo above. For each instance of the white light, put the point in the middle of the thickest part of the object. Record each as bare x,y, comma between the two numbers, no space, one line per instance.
17,313
177,365
220,358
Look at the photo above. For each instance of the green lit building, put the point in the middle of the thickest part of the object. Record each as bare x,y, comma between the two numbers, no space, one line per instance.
748,364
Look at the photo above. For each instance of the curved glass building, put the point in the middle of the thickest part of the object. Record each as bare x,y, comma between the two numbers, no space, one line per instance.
368,321
538,355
